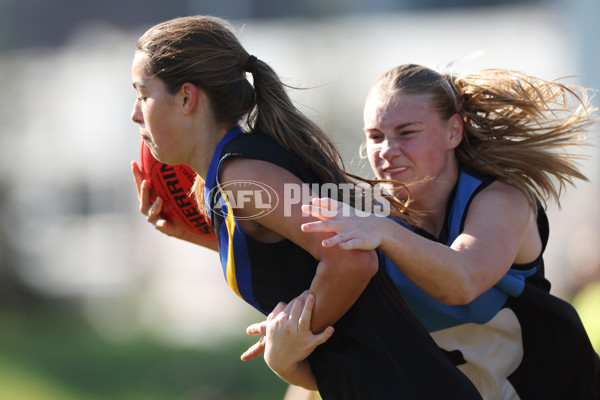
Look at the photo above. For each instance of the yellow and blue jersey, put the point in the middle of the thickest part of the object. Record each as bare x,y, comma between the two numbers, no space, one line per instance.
379,349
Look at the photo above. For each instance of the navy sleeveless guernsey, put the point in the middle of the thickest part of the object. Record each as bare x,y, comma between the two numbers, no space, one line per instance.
516,340
379,349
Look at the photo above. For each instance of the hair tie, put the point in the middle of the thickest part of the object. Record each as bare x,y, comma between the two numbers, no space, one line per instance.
249,64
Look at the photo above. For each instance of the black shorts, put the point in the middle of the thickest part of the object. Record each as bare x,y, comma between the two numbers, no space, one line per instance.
379,350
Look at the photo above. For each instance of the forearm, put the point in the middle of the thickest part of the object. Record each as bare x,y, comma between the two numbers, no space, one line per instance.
437,269
289,340
338,283
475,261
209,242
299,375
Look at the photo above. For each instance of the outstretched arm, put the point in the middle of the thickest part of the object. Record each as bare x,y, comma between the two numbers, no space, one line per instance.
499,230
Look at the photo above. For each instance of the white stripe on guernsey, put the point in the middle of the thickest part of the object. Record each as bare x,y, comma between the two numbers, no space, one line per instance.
492,350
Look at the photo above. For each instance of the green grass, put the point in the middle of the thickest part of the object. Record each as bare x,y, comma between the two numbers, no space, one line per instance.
50,355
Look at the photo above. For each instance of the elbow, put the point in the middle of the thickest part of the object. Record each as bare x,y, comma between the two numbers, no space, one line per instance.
460,299
366,263
353,265
460,295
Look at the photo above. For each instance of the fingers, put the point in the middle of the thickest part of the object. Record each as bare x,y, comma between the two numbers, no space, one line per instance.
352,244
327,208
319,212
144,197
305,317
254,351
137,176
143,188
288,335
153,209
304,323
295,308
319,226
323,208
153,213
278,308
259,328
323,336
327,203
332,241
347,240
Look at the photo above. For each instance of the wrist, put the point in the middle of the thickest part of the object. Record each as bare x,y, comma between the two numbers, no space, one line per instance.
386,231
298,374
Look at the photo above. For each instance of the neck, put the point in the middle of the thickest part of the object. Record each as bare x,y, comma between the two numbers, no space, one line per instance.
432,201
203,151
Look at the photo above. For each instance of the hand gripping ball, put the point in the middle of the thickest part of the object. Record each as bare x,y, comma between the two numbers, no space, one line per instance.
173,184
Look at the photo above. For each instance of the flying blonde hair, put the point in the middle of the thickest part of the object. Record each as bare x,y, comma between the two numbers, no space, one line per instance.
517,128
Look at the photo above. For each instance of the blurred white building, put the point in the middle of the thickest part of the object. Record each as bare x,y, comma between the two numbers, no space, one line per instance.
67,141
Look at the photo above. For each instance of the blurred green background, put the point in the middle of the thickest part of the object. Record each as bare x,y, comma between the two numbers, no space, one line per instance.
50,353
94,303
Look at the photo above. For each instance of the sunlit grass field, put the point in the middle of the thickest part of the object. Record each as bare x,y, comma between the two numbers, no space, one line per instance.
54,355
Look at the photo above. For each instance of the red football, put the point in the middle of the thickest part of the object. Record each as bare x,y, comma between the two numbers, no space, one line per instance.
173,184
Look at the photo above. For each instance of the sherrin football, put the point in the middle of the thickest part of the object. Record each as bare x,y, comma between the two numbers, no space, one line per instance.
173,184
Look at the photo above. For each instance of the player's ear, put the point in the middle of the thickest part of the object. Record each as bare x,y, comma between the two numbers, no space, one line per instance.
189,95
455,131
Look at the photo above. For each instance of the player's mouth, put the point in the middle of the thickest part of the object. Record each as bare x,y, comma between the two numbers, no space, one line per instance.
394,170
146,139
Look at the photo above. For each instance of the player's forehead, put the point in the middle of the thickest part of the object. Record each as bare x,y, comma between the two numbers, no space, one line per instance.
390,109
140,77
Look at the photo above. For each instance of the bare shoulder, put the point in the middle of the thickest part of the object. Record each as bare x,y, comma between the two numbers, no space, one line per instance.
237,168
502,197
500,210
503,211
511,216
250,183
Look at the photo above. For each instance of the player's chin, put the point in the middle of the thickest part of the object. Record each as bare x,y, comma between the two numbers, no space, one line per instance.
160,156
400,193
